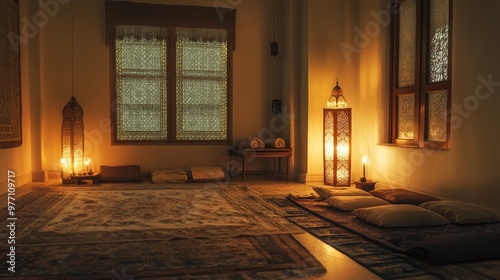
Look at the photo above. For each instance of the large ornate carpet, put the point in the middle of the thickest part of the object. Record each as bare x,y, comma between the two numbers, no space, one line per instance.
165,232
345,233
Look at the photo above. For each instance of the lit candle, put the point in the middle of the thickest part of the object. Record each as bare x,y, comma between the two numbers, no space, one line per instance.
87,162
364,166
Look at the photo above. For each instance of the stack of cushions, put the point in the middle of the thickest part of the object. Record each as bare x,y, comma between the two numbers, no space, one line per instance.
402,211
123,173
347,199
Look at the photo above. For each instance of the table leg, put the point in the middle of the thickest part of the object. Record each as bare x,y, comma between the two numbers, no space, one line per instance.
288,168
243,169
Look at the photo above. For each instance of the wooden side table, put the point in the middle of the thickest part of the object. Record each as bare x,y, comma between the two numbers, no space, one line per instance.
262,153
80,178
366,186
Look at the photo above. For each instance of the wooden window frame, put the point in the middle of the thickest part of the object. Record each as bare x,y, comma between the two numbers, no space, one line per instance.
422,87
170,17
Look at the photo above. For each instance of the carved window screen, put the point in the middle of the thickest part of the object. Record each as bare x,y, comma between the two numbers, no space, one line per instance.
171,73
420,71
201,86
407,44
141,84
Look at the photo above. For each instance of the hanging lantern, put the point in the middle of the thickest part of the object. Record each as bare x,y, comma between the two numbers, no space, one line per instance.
72,141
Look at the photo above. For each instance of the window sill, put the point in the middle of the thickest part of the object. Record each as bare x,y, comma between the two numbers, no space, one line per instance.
412,147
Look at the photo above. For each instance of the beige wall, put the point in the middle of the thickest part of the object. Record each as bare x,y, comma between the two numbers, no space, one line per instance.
470,170
256,82
19,159
328,26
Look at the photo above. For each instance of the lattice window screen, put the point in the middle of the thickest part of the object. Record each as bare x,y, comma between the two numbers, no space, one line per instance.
407,43
201,85
437,116
406,116
141,83
438,37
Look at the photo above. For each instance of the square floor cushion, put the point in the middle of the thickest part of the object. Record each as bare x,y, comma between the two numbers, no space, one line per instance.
123,173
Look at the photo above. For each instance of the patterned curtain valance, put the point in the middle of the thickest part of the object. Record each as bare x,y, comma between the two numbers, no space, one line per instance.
170,17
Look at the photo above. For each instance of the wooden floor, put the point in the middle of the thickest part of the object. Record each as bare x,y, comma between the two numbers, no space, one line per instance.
338,265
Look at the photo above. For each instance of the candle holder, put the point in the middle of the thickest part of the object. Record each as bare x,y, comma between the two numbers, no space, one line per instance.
366,186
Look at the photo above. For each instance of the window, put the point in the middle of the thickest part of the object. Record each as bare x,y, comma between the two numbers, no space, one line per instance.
421,73
171,73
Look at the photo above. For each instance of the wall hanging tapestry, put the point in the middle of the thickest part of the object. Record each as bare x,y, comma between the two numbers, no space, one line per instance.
10,85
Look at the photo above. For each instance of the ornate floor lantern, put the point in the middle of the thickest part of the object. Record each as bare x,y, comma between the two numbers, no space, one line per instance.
337,140
72,141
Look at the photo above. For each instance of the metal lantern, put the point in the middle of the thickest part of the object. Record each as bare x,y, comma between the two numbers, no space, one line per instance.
72,141
337,99
337,140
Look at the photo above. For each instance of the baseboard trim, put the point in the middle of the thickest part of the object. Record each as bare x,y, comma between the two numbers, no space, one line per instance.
39,176
18,181
53,174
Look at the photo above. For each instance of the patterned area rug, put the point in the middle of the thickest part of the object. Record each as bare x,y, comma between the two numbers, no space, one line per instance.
256,257
166,232
315,216
136,212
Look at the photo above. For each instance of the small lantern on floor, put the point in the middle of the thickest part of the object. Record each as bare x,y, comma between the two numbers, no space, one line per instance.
337,140
72,141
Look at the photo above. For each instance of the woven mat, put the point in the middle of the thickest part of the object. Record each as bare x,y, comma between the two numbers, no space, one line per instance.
318,219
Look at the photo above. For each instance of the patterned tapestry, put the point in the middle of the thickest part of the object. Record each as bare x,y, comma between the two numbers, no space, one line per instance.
10,84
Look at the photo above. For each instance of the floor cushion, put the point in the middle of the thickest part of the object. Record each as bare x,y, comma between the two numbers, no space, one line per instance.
399,215
122,173
459,212
402,196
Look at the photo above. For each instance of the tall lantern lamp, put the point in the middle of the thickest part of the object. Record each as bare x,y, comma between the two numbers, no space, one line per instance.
72,141
337,140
